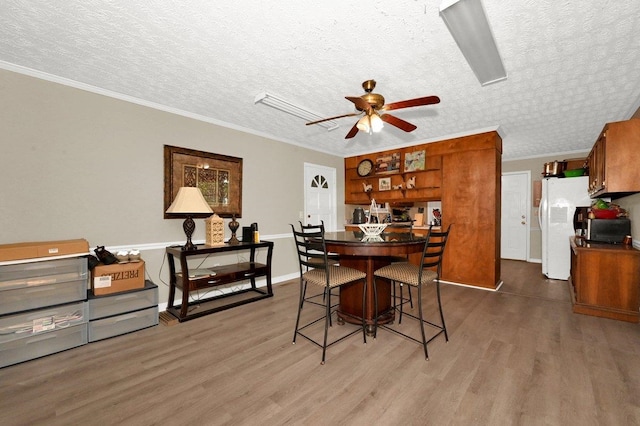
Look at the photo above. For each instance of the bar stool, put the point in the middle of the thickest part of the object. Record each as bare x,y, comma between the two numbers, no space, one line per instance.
316,269
418,276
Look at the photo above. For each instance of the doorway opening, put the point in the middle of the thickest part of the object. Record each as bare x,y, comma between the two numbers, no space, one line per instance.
320,196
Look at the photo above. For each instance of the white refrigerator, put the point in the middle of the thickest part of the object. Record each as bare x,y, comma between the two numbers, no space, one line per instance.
560,197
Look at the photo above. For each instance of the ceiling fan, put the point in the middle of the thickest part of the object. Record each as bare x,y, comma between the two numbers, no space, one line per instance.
372,105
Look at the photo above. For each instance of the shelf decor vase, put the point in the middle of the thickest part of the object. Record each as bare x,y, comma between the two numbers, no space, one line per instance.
234,225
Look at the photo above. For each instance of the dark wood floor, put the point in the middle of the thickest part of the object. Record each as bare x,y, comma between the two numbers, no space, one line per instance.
515,357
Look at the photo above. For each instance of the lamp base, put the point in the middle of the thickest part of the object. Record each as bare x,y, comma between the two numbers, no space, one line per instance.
189,226
189,246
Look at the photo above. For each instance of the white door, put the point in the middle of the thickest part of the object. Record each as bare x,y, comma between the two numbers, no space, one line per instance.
320,196
516,196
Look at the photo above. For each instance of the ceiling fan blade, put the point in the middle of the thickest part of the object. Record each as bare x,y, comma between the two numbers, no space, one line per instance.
399,123
352,132
360,103
333,118
427,100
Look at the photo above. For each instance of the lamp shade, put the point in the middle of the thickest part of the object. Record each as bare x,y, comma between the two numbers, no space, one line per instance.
376,123
189,201
363,124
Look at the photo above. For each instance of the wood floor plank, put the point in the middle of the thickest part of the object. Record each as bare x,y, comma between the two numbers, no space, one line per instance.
516,356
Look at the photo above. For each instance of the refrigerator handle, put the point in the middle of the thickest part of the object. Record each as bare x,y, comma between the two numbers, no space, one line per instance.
542,206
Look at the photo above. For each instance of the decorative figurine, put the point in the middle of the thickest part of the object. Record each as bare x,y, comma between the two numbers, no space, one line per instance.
233,225
411,182
437,217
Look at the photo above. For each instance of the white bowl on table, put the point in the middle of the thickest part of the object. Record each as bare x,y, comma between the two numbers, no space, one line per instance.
372,229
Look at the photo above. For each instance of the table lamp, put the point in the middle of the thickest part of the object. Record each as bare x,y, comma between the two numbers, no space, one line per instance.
189,201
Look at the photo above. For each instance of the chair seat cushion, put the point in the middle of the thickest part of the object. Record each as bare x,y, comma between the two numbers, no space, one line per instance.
406,273
338,275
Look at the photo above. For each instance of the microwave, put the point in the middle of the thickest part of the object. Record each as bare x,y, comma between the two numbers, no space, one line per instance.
610,231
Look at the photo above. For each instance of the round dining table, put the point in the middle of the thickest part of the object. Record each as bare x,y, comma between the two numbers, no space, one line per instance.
367,255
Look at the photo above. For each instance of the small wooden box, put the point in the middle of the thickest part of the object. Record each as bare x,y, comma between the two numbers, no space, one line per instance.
215,230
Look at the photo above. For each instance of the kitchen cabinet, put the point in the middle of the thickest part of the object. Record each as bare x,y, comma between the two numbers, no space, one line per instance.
465,175
471,201
613,160
604,280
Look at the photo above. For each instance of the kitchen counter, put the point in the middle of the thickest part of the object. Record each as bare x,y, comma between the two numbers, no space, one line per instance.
604,280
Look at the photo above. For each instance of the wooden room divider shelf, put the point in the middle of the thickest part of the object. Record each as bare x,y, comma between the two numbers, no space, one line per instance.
220,275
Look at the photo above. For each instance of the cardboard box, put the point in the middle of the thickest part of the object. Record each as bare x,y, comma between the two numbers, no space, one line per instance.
108,279
35,250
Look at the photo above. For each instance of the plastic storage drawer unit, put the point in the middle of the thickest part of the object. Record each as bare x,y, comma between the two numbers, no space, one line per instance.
32,285
119,303
39,345
40,321
121,324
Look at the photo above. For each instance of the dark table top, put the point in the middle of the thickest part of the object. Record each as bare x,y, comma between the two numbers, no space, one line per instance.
386,238
354,243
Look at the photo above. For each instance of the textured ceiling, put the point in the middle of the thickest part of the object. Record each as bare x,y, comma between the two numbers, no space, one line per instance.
572,65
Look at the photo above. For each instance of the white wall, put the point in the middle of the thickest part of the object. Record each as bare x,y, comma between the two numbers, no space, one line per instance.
75,164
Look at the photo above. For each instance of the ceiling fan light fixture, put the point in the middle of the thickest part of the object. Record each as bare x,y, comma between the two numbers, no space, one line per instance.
467,22
280,104
376,122
370,123
363,124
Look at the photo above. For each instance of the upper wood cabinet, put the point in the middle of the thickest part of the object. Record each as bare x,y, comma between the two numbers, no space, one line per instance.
614,159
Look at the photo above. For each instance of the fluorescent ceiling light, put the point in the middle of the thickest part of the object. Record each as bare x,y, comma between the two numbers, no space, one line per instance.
286,106
467,23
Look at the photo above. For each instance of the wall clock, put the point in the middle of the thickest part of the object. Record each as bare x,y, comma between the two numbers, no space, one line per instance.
365,167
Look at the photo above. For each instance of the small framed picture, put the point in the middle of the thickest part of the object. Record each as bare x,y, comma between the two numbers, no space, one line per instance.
384,184
388,163
414,161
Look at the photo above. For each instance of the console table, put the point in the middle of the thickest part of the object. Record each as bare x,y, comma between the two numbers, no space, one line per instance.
201,278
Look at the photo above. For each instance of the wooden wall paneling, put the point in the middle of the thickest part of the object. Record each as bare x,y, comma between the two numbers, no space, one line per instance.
465,175
471,203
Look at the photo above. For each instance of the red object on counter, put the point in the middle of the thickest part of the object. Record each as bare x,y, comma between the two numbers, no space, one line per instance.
605,213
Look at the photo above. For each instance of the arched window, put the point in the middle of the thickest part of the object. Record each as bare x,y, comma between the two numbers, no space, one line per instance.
319,181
